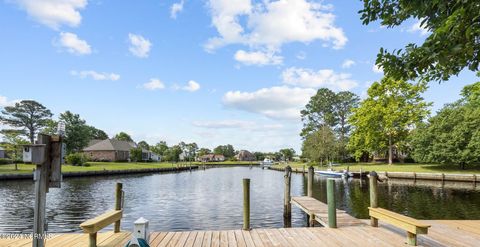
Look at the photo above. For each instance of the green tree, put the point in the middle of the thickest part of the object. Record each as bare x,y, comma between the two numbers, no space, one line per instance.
453,135
191,150
333,110
226,150
136,154
122,136
160,148
28,115
12,143
287,153
97,134
143,145
384,119
320,146
259,156
77,132
50,127
172,154
451,46
319,111
203,151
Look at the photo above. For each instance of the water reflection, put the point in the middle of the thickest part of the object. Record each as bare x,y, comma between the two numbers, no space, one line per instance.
211,199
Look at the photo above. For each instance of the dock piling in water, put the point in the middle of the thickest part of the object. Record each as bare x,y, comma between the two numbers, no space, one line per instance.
246,204
332,211
287,206
373,196
310,181
118,203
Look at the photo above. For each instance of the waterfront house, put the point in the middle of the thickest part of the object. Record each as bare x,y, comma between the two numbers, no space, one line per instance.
212,158
2,153
244,155
109,150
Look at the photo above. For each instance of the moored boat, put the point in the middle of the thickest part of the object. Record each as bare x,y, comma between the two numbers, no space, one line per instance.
332,173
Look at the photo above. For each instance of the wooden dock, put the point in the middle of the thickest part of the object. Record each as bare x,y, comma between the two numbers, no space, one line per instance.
319,211
442,233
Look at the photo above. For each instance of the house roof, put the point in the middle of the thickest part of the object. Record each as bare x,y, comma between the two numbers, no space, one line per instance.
111,145
92,142
2,149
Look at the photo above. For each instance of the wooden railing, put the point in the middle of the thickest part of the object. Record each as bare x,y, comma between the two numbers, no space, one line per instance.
411,225
92,226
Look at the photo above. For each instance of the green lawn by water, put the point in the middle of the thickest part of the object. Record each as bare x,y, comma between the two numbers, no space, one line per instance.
98,166
408,167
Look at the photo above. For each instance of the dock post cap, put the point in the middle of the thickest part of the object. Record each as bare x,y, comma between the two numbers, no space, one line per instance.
141,220
373,173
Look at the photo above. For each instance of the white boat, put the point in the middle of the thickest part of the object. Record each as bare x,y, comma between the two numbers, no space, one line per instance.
266,162
332,173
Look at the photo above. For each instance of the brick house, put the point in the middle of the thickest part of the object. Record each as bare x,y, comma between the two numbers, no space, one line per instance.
109,150
245,155
211,158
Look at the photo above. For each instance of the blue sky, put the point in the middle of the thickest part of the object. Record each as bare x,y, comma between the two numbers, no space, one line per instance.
211,72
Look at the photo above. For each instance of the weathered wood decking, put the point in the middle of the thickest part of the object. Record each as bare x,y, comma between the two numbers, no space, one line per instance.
442,233
319,210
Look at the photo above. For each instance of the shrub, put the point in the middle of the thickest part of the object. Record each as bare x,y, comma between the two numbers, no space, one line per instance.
76,159
5,161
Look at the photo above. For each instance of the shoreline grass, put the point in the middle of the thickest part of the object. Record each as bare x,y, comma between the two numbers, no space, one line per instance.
98,166
398,167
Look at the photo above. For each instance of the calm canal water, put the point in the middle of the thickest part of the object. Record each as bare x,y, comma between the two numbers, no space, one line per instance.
212,199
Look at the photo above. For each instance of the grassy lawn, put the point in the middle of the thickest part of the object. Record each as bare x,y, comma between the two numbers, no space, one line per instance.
98,166
408,167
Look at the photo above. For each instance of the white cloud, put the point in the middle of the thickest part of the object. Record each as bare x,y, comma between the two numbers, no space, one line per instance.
235,124
348,63
97,76
315,79
154,84
417,27
270,24
139,46
5,102
73,44
191,86
223,124
257,58
275,102
377,69
175,9
54,13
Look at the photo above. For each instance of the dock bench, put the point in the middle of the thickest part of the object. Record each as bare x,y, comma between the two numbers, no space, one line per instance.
92,226
411,225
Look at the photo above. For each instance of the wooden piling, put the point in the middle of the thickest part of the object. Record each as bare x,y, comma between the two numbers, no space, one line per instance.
118,204
246,204
373,196
287,206
332,211
310,181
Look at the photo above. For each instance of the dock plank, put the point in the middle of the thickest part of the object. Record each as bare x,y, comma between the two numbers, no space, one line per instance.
312,206
442,233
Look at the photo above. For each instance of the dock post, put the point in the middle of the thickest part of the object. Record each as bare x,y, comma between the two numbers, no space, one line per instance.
373,196
246,204
287,205
118,204
310,181
332,210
